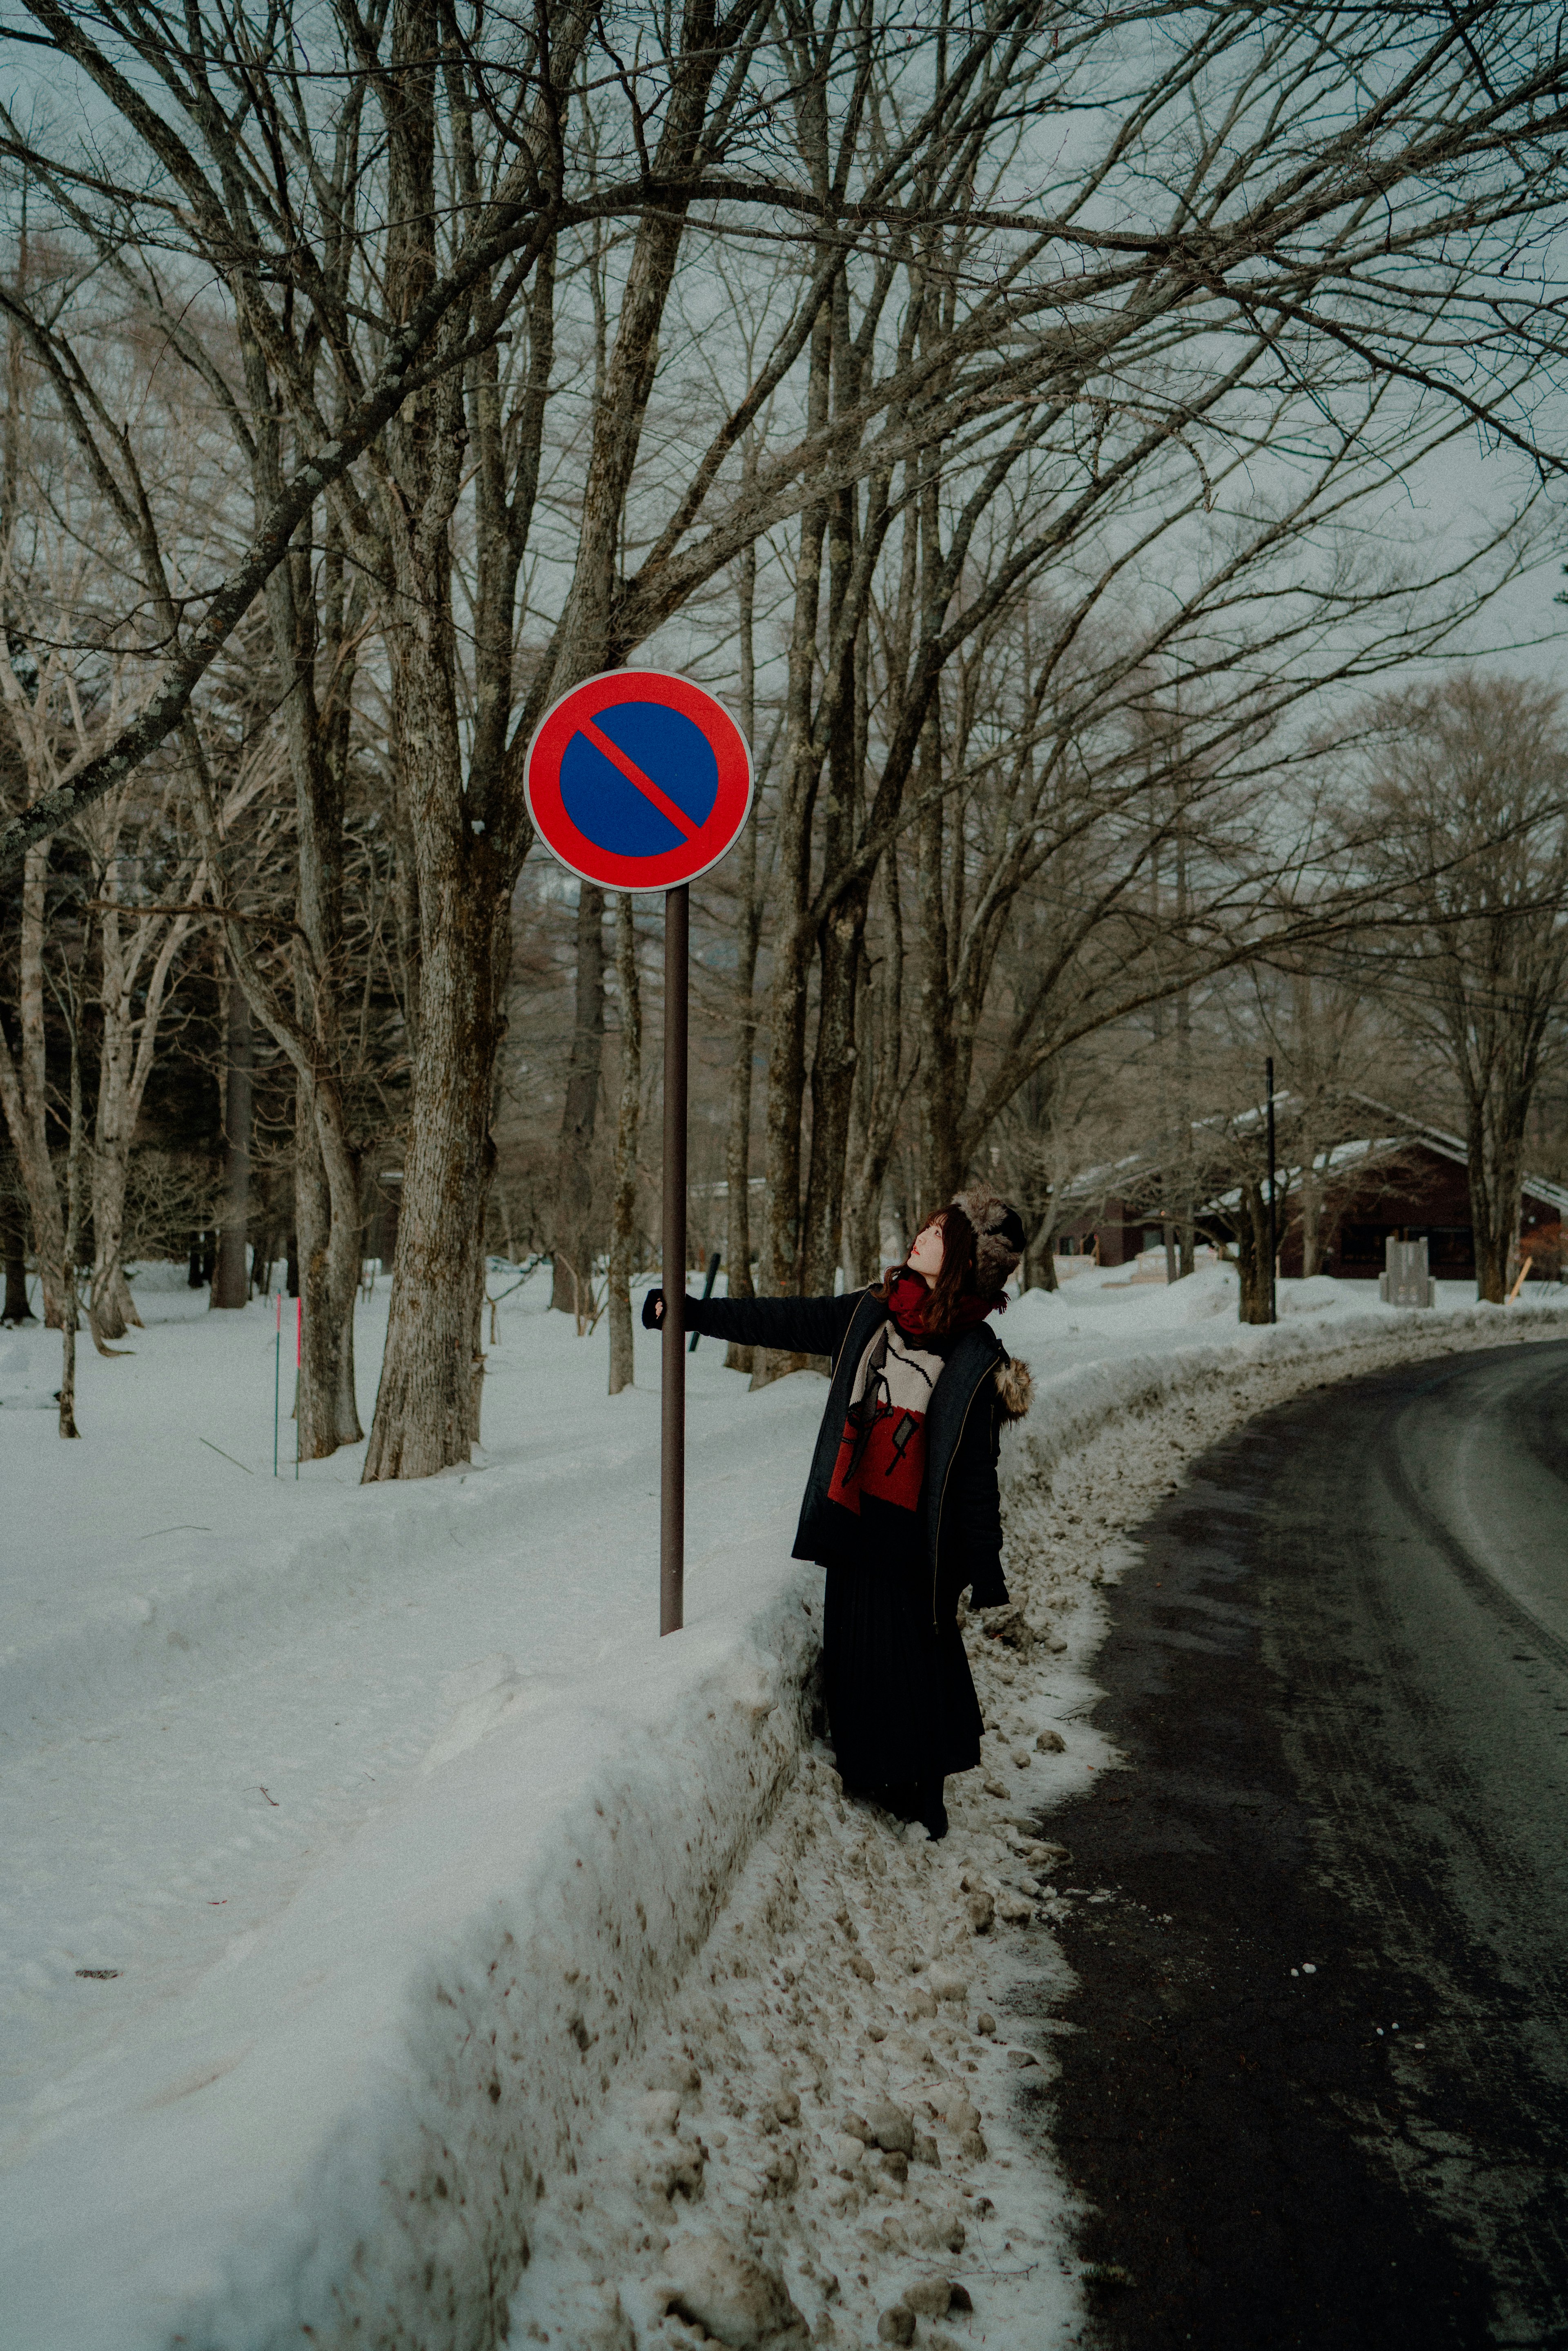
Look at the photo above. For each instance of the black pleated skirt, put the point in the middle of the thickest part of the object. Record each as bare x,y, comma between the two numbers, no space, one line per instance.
900,1700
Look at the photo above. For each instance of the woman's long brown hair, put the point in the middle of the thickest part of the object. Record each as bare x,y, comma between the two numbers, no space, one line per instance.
956,1279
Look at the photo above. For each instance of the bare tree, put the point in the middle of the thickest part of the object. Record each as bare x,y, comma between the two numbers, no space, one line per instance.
1330,1038
1121,436
16,1307
24,1091
76,1155
886,1067
231,1269
749,881
1468,787
573,1250
373,225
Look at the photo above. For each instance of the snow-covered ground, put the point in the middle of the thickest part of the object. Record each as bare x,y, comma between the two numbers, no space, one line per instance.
364,1848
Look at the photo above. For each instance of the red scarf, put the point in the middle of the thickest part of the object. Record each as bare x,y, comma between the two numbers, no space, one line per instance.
909,1297
882,1449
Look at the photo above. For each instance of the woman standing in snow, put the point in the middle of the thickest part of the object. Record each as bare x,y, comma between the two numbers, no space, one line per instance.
902,1506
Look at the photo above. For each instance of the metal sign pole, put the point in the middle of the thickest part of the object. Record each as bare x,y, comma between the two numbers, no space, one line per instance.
673,1427
636,780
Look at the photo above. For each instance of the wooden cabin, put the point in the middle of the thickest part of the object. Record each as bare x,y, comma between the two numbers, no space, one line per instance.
1419,1191
1411,1186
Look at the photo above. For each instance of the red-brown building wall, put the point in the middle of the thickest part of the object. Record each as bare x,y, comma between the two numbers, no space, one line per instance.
1120,1234
1425,1196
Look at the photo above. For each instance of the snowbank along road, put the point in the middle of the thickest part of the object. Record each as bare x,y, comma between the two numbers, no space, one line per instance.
374,1875
851,2128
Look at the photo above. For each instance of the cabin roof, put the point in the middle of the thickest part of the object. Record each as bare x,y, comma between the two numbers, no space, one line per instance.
1117,1175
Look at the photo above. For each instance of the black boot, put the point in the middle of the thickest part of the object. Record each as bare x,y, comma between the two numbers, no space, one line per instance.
931,1812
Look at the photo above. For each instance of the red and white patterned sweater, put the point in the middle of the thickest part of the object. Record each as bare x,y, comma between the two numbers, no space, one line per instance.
882,1449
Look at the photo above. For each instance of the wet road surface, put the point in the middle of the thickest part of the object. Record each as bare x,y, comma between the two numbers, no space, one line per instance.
1315,2080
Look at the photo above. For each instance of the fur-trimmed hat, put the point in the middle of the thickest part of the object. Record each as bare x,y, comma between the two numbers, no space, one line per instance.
999,1237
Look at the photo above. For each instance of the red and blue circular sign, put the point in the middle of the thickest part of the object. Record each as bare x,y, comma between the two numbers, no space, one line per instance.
638,780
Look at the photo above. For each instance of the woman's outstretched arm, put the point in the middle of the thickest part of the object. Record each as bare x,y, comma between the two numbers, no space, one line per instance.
797,1326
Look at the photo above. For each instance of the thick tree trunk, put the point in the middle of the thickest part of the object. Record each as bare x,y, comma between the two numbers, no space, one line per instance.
1252,1254
38,1182
14,1257
113,1308
793,946
67,1419
425,1406
627,1123
943,1172
794,933
328,1210
231,1274
134,982
879,1087
833,1093
24,1094
1038,1268
738,1141
313,1228
786,1101
480,1278
840,942
573,1242
345,1260
748,938
74,1154
1186,1226
1311,1212
862,1177
329,1259
1496,1190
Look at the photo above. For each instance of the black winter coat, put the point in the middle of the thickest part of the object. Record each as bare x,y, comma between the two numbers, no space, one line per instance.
981,1387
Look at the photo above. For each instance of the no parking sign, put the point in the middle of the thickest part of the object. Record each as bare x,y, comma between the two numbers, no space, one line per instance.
638,780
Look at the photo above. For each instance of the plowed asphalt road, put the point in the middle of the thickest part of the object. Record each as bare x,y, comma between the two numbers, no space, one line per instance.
1318,2091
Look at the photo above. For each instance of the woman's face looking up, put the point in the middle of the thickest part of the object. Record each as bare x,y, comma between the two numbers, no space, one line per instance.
925,1254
